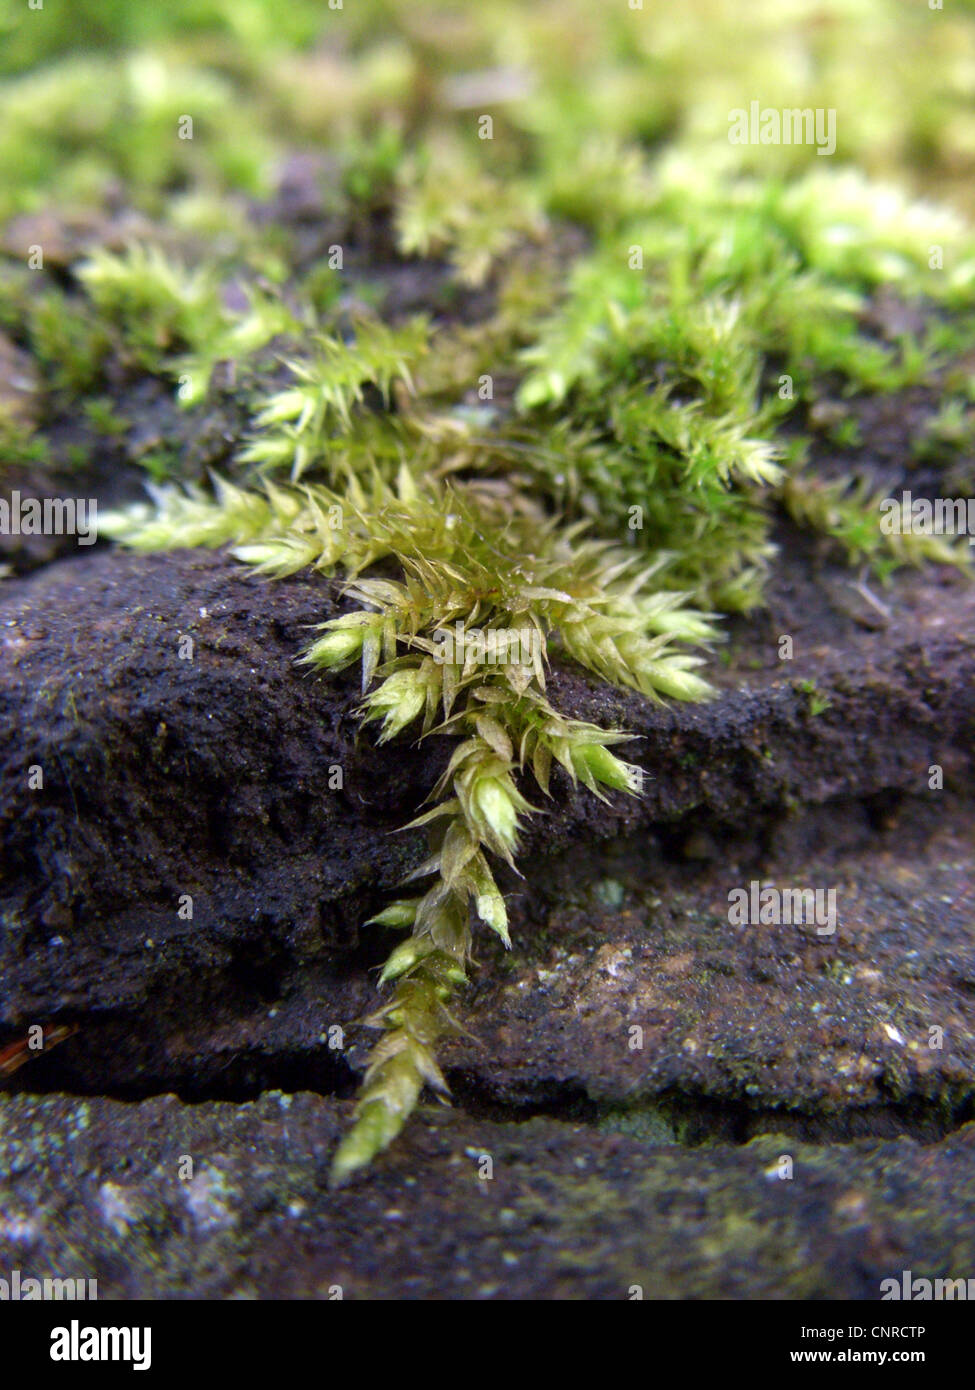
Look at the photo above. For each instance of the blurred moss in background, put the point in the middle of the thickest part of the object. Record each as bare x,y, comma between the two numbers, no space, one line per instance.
92,89
544,193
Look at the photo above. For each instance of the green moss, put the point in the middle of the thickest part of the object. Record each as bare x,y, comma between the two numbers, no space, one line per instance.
651,1123
103,417
69,343
818,703
631,327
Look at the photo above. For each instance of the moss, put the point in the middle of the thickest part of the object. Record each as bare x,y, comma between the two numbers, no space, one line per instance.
68,342
818,702
21,446
648,1122
103,417
633,329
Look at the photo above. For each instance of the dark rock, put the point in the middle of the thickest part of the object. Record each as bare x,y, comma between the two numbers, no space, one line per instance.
463,1208
633,1020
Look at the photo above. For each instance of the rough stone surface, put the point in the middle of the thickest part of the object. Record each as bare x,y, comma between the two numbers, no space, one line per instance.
634,1066
92,1189
210,775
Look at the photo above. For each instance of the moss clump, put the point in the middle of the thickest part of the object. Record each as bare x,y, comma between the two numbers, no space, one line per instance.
584,441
